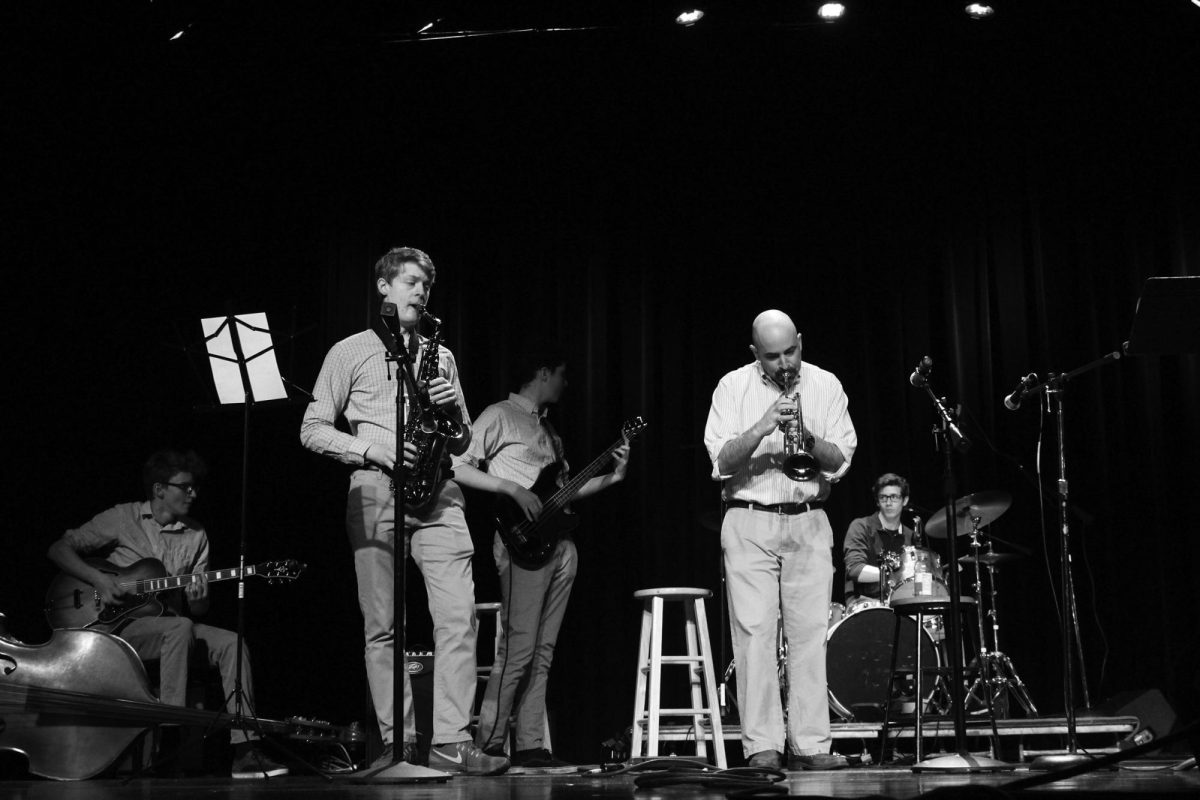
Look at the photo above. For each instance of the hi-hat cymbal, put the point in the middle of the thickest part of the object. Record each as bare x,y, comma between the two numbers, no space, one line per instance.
991,559
984,506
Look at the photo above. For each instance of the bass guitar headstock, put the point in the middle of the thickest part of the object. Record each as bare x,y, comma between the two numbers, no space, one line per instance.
633,427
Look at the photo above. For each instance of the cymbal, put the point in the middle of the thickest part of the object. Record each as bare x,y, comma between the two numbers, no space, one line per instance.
991,559
986,506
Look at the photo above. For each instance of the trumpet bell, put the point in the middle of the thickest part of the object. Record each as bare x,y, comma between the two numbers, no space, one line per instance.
801,466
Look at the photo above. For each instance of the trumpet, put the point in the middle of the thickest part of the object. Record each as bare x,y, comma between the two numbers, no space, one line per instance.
798,463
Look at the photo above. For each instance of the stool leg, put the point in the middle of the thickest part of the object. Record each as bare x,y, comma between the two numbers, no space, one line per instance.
710,688
639,695
918,700
694,671
887,700
656,623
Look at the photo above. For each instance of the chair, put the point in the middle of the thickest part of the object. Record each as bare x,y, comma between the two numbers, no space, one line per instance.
917,607
704,710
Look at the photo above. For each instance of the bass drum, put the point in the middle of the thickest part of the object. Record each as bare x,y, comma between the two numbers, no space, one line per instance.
859,655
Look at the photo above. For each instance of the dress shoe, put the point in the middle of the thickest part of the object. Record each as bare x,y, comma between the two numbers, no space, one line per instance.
767,759
818,761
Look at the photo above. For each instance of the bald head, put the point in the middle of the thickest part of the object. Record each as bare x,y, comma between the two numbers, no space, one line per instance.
775,342
772,326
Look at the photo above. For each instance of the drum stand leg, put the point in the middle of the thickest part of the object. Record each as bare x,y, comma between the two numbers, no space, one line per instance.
996,671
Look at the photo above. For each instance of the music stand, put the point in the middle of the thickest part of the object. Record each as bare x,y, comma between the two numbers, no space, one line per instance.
1166,320
246,379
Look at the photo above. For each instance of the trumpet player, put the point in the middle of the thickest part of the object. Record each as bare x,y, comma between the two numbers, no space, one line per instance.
779,435
359,384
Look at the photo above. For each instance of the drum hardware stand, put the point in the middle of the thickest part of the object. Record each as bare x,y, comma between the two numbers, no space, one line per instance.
997,675
950,439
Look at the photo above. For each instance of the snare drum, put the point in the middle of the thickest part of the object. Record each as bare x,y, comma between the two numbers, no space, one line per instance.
919,575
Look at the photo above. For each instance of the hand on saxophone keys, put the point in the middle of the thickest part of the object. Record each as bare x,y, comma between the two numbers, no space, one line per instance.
441,392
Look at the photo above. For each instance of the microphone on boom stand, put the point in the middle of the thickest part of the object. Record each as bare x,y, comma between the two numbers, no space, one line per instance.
1013,401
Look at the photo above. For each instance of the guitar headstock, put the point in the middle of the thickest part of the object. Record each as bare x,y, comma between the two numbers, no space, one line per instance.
633,427
273,571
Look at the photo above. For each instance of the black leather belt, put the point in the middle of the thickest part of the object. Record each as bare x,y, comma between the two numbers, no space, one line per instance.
777,508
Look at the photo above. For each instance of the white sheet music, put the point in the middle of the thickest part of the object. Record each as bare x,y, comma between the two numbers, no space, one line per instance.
261,366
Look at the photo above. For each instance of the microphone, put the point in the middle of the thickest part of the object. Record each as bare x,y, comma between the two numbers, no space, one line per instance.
1013,401
920,375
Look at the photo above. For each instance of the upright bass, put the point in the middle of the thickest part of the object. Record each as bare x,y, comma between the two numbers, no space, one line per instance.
73,704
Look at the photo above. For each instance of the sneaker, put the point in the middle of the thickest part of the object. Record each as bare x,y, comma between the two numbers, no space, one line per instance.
466,758
539,758
254,763
388,755
818,761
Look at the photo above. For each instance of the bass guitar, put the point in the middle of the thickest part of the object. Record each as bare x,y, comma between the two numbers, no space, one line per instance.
531,543
72,603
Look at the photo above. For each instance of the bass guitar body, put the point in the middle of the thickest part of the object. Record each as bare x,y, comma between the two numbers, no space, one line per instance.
72,603
531,544
49,695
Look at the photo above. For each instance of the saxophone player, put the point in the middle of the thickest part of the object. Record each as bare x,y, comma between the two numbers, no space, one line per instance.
358,383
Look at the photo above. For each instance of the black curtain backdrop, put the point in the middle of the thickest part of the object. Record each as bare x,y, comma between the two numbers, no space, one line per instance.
993,196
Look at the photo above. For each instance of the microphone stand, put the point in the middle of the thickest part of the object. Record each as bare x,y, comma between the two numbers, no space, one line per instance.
1068,614
399,771
950,438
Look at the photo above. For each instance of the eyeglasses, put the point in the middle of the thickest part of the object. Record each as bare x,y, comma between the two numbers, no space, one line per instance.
186,488
890,498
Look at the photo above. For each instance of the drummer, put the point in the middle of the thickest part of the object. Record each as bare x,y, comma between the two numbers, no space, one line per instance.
868,538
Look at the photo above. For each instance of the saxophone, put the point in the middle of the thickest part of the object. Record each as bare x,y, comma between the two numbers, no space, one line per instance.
428,427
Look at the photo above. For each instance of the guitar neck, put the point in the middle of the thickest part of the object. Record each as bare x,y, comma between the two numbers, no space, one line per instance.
151,585
572,487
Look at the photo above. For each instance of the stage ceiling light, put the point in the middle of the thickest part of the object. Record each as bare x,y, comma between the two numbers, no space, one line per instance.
689,17
831,12
979,10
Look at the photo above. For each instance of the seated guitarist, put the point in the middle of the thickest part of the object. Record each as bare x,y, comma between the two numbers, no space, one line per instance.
160,528
517,443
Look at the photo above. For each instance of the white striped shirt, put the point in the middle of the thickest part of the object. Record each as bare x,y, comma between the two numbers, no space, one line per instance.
358,383
512,438
740,400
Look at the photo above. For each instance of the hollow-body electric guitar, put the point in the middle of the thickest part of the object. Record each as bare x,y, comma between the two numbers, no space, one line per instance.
72,603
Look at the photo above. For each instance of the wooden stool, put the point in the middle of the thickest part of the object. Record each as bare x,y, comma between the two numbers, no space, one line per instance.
914,607
646,710
484,672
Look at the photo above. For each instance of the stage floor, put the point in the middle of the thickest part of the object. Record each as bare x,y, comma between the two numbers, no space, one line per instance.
1133,779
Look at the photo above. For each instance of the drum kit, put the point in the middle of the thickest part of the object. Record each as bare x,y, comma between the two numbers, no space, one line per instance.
860,635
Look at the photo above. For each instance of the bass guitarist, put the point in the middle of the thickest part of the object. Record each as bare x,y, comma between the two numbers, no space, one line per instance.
161,528
518,444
